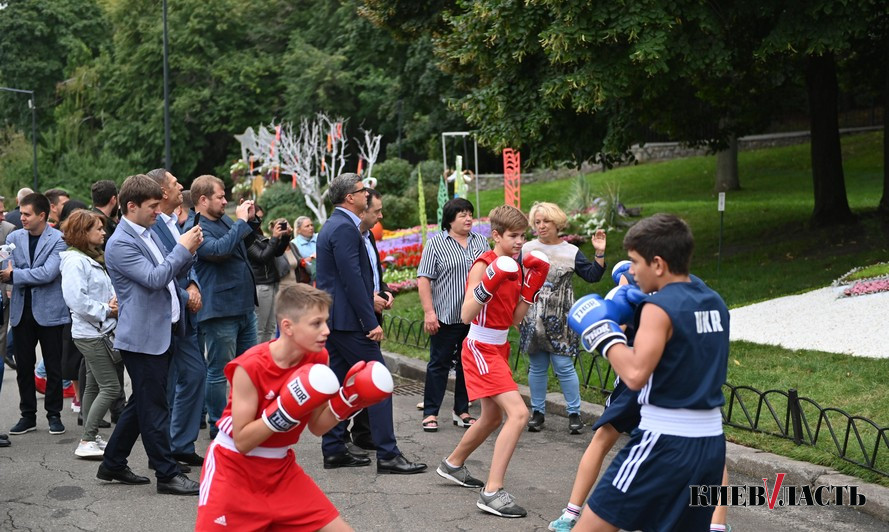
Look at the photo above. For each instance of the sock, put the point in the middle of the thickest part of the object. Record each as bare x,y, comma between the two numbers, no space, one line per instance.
717,528
452,466
572,512
489,494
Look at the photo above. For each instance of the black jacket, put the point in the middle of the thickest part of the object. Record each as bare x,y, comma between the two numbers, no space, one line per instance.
262,253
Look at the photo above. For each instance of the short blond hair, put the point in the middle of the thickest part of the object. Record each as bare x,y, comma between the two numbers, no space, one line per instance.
507,218
551,212
293,301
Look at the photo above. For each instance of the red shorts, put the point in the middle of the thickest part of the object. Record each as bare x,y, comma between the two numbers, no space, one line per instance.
486,369
241,492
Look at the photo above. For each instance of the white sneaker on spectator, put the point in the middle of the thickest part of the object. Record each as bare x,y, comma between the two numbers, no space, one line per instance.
100,442
89,449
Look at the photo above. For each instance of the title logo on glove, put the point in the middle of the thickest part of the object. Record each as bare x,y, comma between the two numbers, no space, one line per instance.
298,391
582,310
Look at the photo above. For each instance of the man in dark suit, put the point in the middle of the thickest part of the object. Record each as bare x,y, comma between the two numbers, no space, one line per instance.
227,319
346,273
36,313
359,433
188,370
150,314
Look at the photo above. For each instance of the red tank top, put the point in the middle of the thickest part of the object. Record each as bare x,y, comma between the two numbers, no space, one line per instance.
268,379
497,314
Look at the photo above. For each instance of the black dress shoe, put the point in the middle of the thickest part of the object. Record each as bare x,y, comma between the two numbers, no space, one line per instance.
345,459
124,476
354,450
179,485
192,459
399,466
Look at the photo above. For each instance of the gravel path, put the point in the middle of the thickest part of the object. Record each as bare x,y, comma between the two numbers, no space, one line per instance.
821,319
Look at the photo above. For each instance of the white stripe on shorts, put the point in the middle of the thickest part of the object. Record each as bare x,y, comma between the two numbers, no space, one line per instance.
480,361
209,470
637,455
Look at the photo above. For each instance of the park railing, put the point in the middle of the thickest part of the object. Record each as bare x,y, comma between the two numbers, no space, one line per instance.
780,413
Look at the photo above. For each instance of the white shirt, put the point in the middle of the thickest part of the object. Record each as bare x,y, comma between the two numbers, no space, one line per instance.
145,234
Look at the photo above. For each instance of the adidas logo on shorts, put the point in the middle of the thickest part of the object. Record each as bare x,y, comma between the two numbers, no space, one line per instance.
271,395
220,520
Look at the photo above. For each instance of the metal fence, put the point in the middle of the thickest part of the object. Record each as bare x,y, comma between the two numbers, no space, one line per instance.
779,413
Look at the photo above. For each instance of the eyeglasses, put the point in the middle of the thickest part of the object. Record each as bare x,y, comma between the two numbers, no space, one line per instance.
363,189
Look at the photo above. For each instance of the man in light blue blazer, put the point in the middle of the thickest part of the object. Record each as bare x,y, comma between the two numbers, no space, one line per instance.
150,314
188,370
37,311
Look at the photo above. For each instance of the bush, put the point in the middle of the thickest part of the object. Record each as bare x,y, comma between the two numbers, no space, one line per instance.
402,211
280,200
393,176
399,211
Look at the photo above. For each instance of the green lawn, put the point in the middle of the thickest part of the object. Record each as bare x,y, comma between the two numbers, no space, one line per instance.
768,251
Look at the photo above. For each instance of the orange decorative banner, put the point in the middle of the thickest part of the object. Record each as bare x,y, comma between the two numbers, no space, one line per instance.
512,178
360,165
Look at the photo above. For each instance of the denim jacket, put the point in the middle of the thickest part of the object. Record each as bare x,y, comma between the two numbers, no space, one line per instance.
87,290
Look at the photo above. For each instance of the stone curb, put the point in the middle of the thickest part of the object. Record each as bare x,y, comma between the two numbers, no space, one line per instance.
746,460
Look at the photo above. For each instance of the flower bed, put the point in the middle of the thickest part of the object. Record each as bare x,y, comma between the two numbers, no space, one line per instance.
401,250
864,280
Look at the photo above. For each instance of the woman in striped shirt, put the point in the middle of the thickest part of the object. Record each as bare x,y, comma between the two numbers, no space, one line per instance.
441,279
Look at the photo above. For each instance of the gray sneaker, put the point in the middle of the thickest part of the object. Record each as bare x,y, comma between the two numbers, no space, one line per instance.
500,503
460,475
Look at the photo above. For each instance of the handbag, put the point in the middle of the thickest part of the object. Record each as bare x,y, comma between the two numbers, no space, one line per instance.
108,339
109,346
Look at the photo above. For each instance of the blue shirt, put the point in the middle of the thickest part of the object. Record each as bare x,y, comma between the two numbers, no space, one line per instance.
306,246
373,260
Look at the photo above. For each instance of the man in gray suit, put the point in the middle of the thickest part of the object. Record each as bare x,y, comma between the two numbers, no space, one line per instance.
150,314
36,311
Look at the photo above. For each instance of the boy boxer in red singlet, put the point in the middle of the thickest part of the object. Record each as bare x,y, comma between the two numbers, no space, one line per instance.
498,294
250,479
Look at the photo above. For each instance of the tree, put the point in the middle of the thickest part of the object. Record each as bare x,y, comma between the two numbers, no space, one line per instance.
42,42
568,80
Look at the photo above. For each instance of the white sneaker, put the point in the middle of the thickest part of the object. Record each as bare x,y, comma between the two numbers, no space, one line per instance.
89,449
100,442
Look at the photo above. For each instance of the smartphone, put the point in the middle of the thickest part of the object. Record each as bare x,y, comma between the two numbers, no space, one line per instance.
282,225
197,219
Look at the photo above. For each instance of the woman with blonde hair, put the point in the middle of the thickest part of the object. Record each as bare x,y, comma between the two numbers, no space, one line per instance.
90,297
545,335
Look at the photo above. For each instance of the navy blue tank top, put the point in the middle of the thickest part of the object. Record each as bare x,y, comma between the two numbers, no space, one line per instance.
693,366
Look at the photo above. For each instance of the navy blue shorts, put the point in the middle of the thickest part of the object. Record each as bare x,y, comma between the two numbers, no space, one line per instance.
647,486
621,409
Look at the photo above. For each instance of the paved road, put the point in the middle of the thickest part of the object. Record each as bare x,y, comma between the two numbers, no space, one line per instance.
43,486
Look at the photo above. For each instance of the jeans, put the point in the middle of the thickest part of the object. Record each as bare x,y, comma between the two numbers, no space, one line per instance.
444,353
265,312
102,386
223,339
563,367
185,391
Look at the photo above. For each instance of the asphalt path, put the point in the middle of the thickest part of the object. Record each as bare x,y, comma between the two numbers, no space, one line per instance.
43,486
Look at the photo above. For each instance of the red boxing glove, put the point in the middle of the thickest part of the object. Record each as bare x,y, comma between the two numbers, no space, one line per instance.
366,384
310,386
536,266
502,269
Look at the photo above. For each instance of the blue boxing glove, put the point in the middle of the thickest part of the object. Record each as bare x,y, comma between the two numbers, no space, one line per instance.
595,320
621,269
625,298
